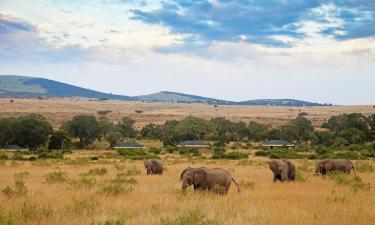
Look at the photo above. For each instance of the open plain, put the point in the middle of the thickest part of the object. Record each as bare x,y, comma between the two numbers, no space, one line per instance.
117,191
59,110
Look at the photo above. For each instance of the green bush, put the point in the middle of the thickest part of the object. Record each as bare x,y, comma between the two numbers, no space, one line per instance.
83,182
56,177
111,222
262,153
355,147
154,150
218,153
96,172
189,151
3,156
50,155
364,167
286,154
194,217
170,149
235,155
136,154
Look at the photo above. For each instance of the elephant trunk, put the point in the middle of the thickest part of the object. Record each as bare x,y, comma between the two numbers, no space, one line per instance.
184,185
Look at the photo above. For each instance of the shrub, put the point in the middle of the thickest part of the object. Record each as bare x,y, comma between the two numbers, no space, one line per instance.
3,156
8,219
354,183
50,155
355,147
113,189
154,150
285,154
136,154
132,171
348,155
235,155
96,172
364,167
56,177
262,153
194,217
170,149
83,182
111,222
189,151
82,207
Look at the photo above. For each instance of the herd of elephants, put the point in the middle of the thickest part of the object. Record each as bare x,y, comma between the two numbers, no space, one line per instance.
218,180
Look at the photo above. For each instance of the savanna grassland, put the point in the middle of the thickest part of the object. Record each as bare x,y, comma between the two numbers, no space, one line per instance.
56,111
113,190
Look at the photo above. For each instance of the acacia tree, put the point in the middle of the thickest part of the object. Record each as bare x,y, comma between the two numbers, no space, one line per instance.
60,139
84,127
126,127
31,131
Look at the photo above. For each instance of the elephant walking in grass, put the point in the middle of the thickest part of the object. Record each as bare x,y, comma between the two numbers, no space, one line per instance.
215,180
283,170
153,167
327,165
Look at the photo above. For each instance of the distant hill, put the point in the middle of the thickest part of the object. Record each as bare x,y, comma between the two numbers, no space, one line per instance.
167,96
280,102
30,87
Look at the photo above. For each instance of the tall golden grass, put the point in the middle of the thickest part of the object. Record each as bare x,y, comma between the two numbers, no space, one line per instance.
158,199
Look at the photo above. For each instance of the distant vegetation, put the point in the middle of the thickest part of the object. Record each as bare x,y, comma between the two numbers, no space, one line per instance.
345,136
29,87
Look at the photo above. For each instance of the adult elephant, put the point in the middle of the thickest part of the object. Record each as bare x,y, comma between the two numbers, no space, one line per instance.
153,167
327,165
283,170
215,180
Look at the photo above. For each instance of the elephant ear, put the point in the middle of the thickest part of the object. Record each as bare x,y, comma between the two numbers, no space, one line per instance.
199,176
183,172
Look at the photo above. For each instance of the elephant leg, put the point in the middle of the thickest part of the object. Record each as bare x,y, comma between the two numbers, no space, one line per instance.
274,178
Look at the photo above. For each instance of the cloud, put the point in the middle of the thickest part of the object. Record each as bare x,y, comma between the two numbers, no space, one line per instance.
8,24
259,21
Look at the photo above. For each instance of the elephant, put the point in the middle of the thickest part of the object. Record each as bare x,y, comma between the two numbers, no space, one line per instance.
216,180
153,167
327,165
283,170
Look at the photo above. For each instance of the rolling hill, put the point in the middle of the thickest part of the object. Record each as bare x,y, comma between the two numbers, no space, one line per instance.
14,86
30,87
167,96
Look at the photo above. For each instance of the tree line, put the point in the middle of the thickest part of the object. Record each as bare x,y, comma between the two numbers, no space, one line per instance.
33,131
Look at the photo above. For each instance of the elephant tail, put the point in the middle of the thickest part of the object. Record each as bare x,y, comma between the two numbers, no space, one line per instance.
354,170
238,187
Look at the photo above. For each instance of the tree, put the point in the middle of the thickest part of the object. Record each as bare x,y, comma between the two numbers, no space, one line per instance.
114,137
106,127
274,134
289,132
31,131
225,129
257,131
168,133
84,127
60,139
151,131
193,128
353,120
353,135
303,128
6,130
126,127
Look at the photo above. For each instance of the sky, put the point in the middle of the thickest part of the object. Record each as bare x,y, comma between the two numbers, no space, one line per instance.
313,50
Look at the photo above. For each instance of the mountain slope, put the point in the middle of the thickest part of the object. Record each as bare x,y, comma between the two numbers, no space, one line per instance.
280,102
22,86
29,87
167,96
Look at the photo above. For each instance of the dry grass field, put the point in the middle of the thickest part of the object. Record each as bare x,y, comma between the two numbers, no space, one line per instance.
117,191
59,110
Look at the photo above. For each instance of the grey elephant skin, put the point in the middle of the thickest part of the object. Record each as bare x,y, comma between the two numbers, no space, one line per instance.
328,165
153,167
283,170
215,180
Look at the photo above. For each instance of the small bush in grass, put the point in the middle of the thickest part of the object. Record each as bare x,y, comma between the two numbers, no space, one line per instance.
3,156
21,175
83,182
355,147
20,187
247,184
194,217
154,150
121,178
364,167
111,222
170,149
235,155
96,172
299,177
354,183
349,155
56,177
132,171
50,155
8,219
83,206
8,192
189,151
262,153
115,189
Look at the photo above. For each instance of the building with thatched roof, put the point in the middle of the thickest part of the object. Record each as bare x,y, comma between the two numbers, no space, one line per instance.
128,144
278,144
193,144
